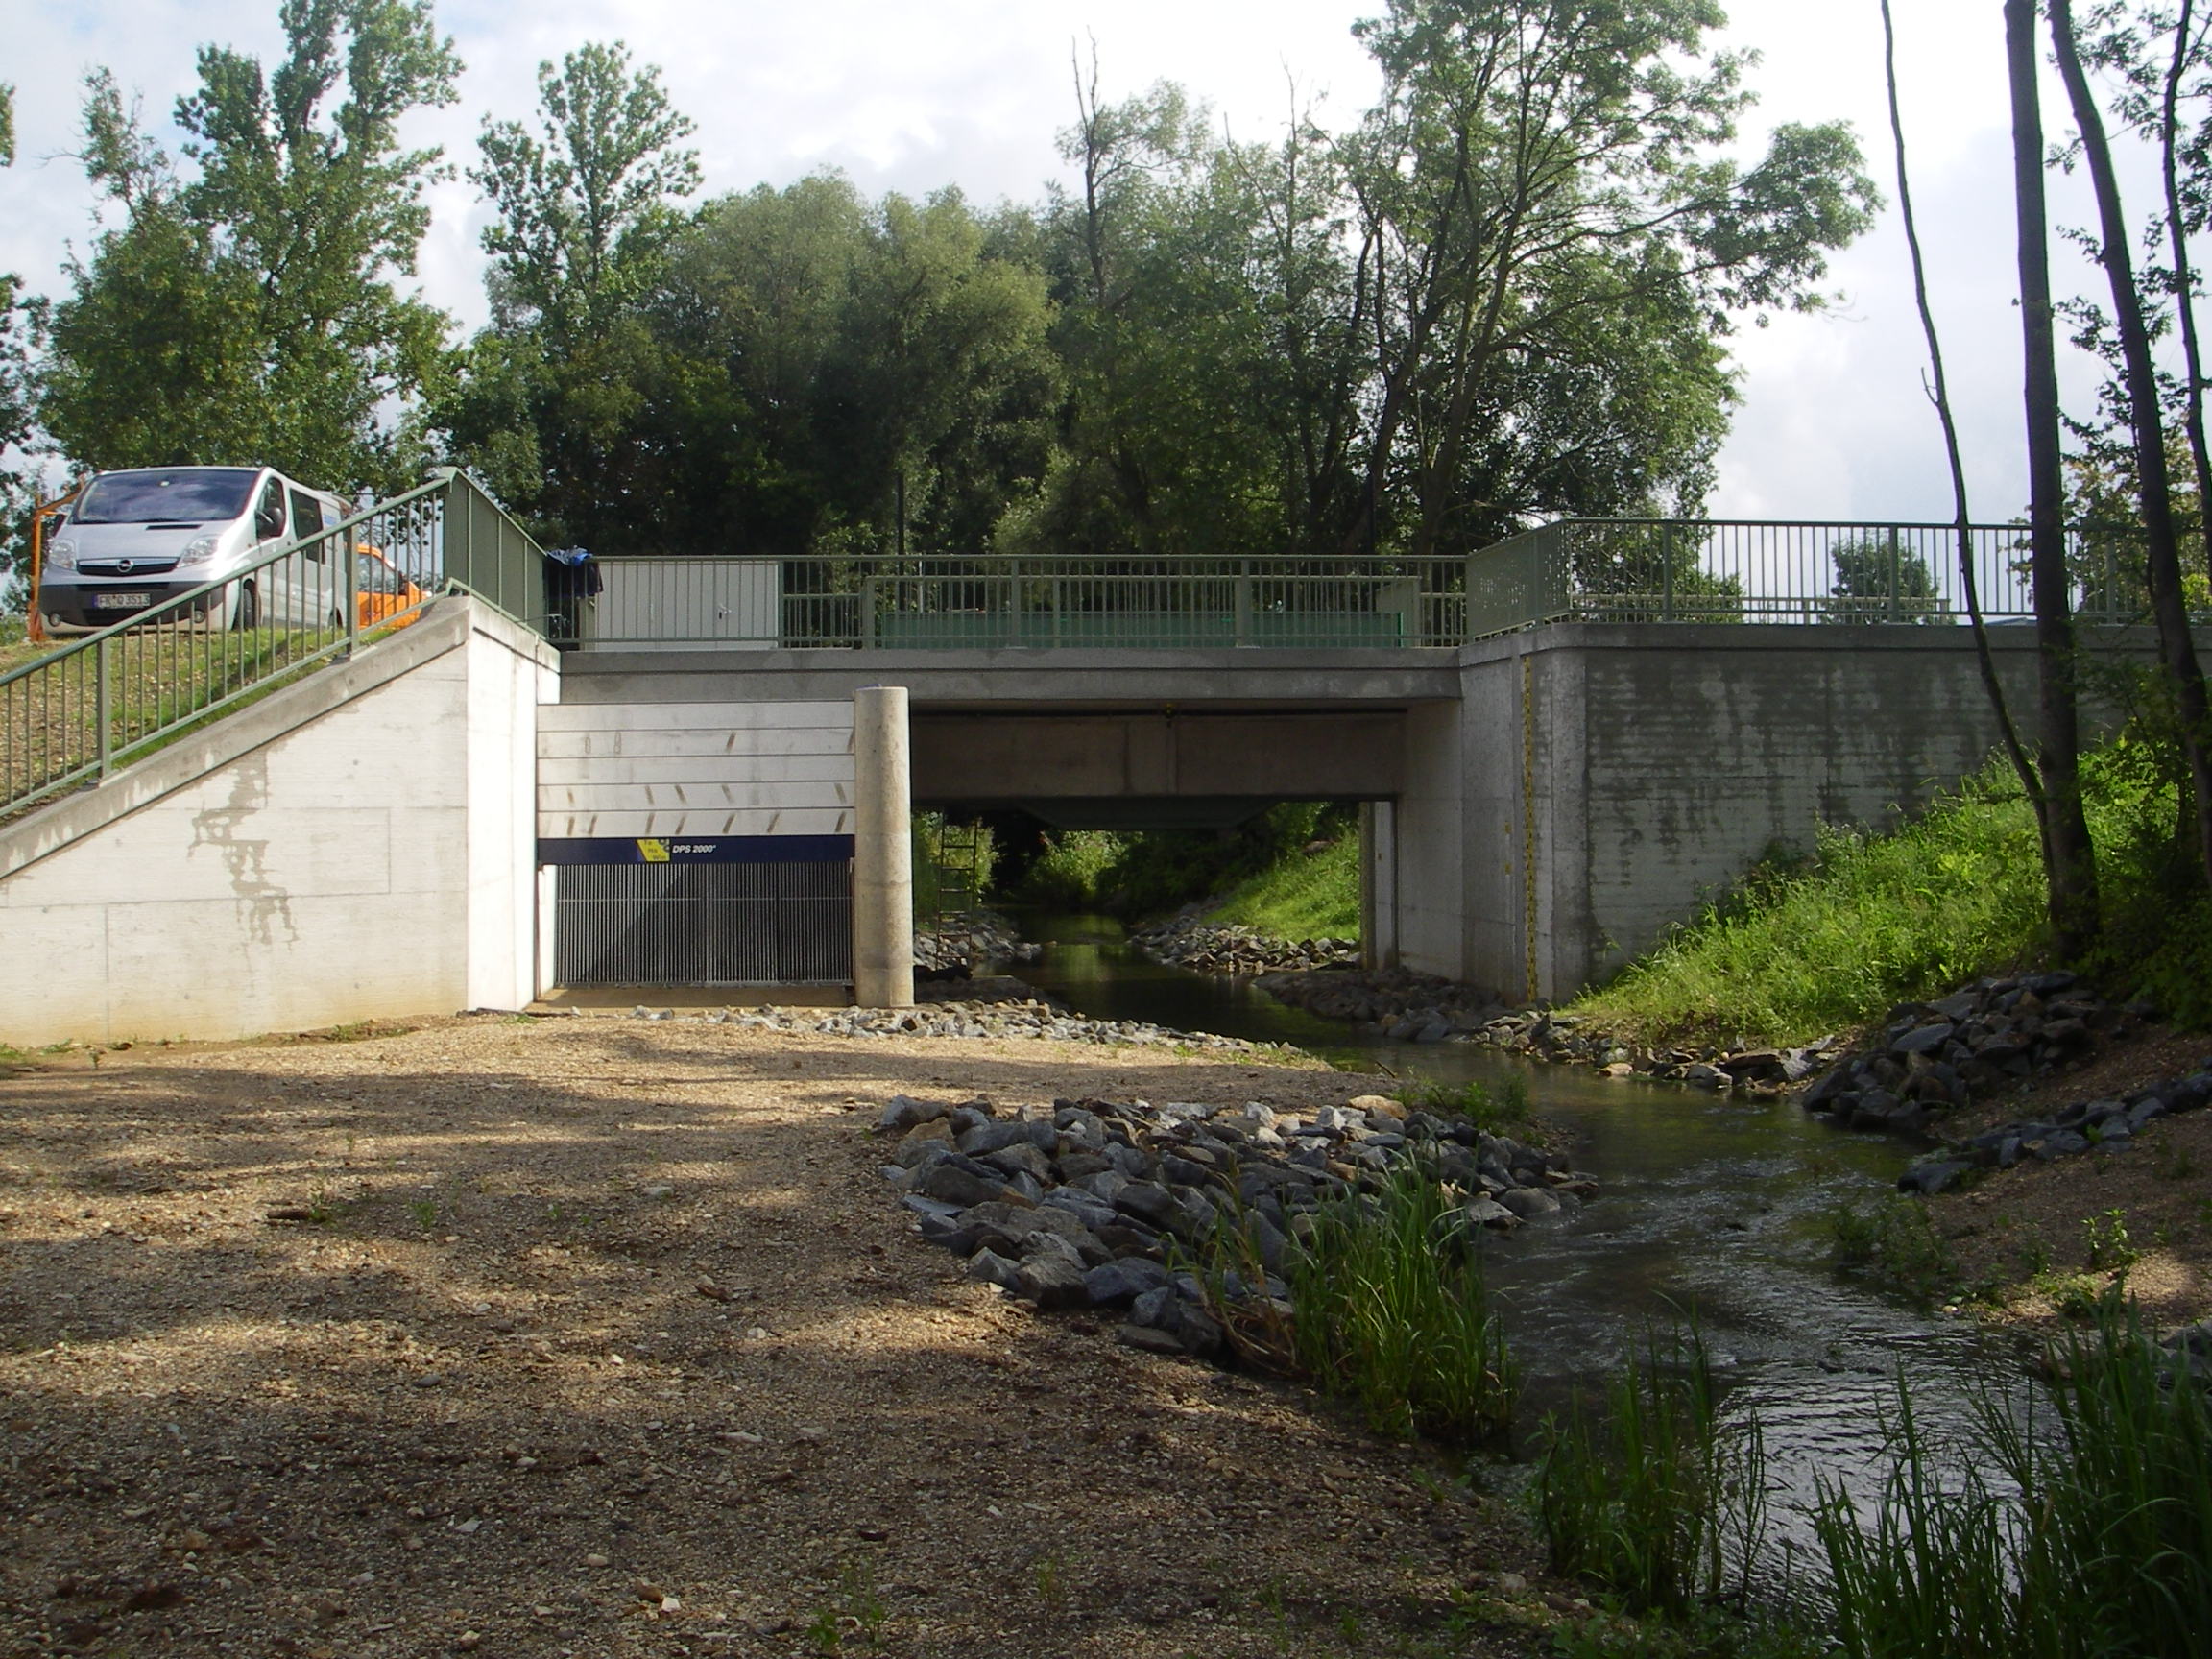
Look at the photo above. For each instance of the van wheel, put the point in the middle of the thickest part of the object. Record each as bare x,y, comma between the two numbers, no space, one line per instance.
246,609
337,619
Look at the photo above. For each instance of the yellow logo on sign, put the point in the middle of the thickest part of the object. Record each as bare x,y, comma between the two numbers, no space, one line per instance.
652,852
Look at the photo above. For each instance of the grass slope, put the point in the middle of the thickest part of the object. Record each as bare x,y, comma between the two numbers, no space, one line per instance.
1305,896
1871,921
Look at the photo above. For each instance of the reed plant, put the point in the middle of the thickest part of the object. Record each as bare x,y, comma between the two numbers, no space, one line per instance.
2090,1538
1656,1499
1390,1309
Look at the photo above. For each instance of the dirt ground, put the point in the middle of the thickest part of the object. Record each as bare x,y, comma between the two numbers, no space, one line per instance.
601,1336
2040,1240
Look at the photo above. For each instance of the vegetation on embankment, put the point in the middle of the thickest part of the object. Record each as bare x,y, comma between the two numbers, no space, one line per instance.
1292,871
1832,941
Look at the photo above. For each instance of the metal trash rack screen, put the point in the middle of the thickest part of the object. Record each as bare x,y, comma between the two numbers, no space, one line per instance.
703,924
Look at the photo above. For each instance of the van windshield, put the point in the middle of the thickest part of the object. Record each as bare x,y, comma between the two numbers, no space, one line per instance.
174,495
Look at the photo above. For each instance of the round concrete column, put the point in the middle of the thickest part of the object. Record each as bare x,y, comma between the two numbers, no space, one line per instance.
882,851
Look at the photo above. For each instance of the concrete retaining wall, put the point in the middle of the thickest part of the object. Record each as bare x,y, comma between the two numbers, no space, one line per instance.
1667,761
353,847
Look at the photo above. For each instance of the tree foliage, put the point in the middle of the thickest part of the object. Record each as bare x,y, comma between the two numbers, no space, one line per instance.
244,309
1503,294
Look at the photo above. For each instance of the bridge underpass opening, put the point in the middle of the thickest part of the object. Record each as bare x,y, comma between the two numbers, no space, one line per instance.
1127,768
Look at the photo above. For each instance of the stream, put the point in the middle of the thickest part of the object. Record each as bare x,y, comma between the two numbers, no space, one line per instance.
1708,1202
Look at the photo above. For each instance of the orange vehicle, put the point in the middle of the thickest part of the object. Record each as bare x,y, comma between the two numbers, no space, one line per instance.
384,597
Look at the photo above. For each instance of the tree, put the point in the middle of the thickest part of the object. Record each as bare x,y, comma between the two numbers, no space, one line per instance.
18,324
1536,167
2176,650
248,312
549,395
585,212
1879,580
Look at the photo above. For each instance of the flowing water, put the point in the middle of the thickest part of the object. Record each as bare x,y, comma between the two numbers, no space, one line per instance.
1710,1205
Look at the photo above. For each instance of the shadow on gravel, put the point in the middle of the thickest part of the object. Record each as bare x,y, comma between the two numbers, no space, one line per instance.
626,1350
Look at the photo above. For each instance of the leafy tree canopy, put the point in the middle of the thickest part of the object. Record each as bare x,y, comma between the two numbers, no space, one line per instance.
246,312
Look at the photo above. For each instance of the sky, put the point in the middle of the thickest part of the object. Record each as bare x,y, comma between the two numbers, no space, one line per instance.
911,95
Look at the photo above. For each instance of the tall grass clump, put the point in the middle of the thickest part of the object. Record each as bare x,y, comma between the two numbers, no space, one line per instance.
2090,1539
1656,1499
1390,1309
1306,896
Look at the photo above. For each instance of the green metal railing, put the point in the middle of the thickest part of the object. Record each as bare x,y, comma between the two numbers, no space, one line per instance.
182,657
1030,603
1713,571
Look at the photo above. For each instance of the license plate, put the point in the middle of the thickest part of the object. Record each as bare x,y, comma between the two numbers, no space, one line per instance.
121,601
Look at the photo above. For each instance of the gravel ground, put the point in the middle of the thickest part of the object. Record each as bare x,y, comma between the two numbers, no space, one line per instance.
598,1336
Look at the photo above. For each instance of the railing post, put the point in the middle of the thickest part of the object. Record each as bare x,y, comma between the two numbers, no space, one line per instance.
1666,572
1893,574
350,585
1243,608
104,704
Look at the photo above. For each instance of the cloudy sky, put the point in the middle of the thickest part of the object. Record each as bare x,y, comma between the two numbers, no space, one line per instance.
909,96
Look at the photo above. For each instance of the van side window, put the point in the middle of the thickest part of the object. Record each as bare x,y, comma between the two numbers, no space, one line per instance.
306,520
269,516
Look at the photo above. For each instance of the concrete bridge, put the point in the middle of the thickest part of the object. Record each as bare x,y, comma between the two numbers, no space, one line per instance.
1552,768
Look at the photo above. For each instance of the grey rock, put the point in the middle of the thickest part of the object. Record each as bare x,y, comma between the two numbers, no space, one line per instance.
1148,1339
1489,1212
954,1184
1924,1039
905,1112
1123,1280
1023,1157
1938,1175
1052,1281
1151,1203
992,1268
1529,1202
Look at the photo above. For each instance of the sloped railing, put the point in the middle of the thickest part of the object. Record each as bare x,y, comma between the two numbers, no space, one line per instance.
170,664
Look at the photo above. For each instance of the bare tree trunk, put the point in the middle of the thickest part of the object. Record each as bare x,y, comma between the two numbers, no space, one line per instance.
2169,609
1940,393
2069,855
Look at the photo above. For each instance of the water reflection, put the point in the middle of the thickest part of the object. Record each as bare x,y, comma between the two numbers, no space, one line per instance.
1712,1206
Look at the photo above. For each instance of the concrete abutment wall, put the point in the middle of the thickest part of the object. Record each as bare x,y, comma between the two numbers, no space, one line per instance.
354,846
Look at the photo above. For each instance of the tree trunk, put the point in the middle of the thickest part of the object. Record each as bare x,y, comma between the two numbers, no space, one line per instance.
2070,859
2169,609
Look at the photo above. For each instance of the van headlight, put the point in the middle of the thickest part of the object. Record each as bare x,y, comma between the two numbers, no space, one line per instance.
198,549
62,555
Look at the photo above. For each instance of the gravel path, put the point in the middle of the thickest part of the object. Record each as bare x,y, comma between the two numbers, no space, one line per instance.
602,1336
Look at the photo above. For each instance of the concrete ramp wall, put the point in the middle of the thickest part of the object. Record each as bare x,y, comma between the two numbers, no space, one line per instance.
354,846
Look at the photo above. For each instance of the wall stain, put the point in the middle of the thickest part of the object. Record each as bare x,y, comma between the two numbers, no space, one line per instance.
245,858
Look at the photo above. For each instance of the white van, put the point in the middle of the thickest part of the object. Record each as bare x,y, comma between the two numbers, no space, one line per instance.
135,540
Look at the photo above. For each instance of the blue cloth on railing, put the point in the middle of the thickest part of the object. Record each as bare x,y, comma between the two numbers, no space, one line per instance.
571,574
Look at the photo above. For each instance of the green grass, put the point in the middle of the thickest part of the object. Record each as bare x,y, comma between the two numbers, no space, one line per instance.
1306,896
2106,1550
1390,1309
1656,1500
1484,1108
1804,949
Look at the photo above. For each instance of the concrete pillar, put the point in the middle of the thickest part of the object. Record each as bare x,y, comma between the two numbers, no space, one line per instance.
882,851
1378,884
